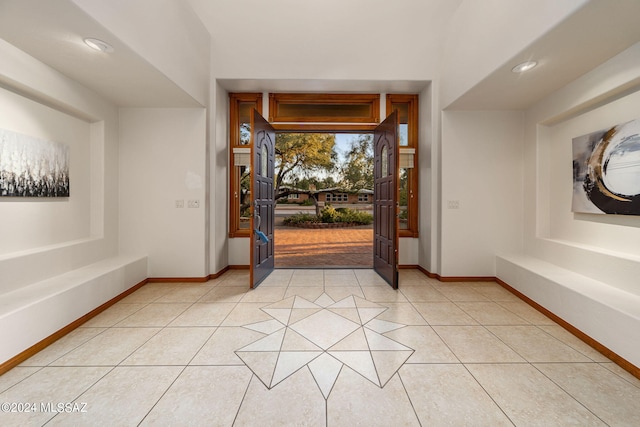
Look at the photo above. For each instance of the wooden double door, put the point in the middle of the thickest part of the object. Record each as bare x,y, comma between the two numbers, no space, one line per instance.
385,205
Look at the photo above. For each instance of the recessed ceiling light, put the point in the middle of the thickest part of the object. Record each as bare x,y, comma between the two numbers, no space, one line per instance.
525,66
99,45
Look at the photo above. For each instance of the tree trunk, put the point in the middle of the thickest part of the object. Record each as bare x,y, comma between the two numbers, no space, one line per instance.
315,202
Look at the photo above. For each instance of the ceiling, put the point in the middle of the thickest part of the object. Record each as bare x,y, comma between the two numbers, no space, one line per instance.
52,31
595,33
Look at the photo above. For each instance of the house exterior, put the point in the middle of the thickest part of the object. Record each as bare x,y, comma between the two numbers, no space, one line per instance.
334,196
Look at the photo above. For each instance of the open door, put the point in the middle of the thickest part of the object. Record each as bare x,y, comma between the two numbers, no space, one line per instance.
262,193
385,200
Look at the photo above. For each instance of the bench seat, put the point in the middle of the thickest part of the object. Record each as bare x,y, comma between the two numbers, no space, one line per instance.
608,314
33,312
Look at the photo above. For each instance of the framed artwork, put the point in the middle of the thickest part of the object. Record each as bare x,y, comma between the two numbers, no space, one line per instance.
32,167
606,170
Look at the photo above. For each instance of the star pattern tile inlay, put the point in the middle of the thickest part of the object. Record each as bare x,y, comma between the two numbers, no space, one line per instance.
324,335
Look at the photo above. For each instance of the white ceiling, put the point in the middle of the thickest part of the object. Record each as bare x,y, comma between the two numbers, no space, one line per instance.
330,40
52,31
591,36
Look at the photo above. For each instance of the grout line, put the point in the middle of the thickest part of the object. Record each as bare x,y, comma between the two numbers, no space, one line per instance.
408,395
164,393
487,392
568,394
87,389
244,396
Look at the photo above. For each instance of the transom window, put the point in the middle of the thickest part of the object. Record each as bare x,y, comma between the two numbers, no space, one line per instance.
324,108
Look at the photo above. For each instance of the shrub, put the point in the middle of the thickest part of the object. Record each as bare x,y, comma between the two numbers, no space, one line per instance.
330,215
355,217
346,215
300,218
307,202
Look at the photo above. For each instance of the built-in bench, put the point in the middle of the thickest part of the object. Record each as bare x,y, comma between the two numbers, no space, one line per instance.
34,312
609,315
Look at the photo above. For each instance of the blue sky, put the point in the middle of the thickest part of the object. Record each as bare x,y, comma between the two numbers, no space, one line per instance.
342,143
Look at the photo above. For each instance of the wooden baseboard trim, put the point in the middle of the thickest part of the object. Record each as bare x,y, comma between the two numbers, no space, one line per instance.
238,267
456,278
21,357
466,279
428,273
177,279
219,273
195,279
408,267
608,353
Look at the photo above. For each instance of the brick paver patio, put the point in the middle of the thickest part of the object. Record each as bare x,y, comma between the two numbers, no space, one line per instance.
336,247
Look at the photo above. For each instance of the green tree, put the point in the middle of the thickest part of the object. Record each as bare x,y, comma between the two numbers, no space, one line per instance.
404,188
245,191
357,170
327,182
305,183
298,155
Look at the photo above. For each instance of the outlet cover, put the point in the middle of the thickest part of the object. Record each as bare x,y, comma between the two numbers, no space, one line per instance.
179,203
194,203
453,204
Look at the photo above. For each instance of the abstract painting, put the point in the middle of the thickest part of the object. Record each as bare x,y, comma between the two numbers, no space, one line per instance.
606,170
32,167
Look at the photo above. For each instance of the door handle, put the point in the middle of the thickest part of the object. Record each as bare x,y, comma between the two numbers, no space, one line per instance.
263,237
256,215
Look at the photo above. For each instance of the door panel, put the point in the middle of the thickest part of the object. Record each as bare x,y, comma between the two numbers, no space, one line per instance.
262,193
385,204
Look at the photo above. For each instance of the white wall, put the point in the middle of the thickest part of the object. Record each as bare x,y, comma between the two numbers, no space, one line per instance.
489,220
408,251
613,233
604,247
482,163
38,222
239,251
162,160
428,170
219,256
48,104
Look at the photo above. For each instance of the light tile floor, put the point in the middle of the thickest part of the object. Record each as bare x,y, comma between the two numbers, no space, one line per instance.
320,347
